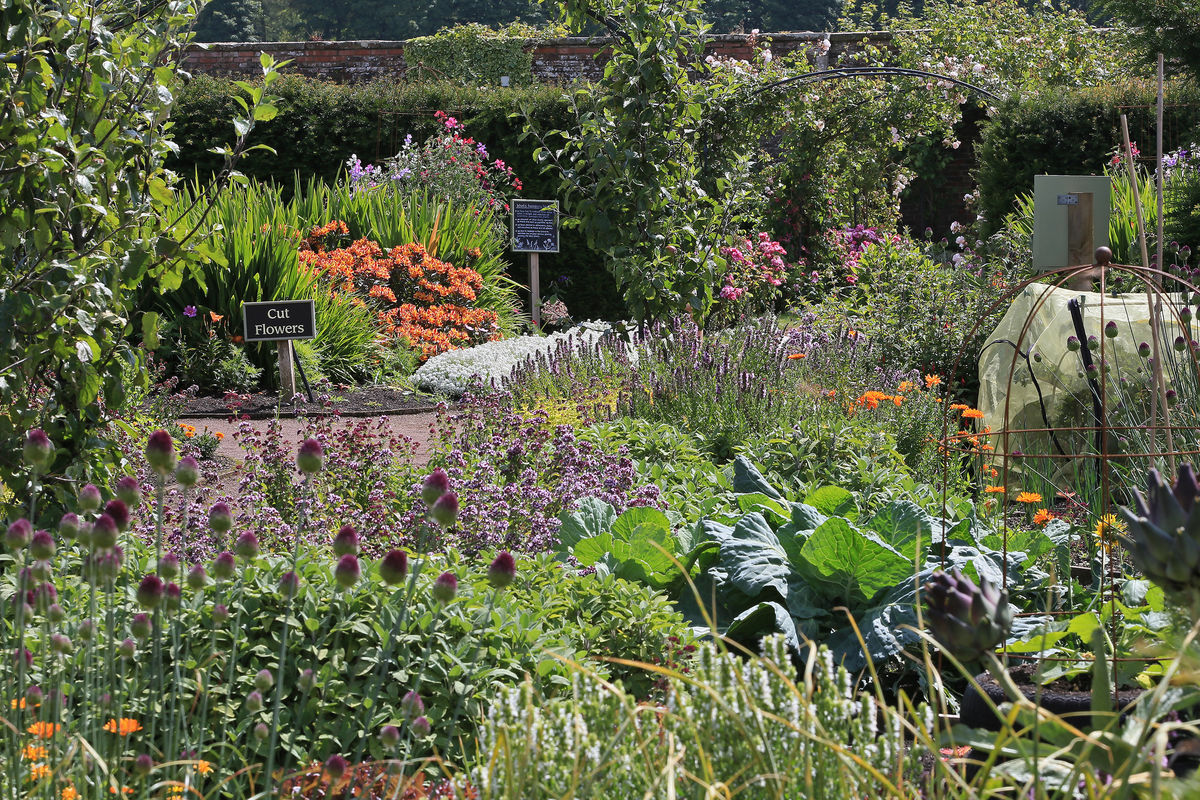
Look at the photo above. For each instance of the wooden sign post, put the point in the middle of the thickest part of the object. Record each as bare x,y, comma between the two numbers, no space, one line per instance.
281,321
534,231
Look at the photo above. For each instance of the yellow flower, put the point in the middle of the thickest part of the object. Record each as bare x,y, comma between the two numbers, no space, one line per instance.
123,727
1029,497
1042,516
993,489
1106,527
43,730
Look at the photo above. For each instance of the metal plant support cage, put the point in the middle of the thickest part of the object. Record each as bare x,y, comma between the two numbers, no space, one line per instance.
1095,447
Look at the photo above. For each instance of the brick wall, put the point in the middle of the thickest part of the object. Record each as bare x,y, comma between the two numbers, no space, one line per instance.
556,60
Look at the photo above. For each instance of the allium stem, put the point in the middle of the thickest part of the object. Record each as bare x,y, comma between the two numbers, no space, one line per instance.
156,681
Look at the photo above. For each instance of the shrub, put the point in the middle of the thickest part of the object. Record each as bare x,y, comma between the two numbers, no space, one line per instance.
477,55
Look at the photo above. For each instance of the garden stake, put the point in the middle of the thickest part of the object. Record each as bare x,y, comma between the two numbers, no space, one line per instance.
1085,355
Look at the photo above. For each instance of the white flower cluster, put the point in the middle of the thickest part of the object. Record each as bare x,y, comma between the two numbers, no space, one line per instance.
454,371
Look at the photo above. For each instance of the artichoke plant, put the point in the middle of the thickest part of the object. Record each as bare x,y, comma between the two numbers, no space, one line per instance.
1164,534
966,619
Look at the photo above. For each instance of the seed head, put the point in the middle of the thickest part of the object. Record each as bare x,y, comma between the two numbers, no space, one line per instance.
127,489
346,541
445,587
347,571
150,591
160,452
89,498
394,567
310,457
188,472
445,510
38,450
502,570
436,484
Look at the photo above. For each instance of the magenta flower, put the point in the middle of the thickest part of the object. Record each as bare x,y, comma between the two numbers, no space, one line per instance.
68,526
188,472
220,518
128,491
104,531
150,591
140,626
436,484
41,546
197,578
189,311
119,512
347,572
394,567
89,498
502,570
160,452
38,450
224,566
310,457
289,584
445,587
246,545
346,541
445,510
336,767
18,534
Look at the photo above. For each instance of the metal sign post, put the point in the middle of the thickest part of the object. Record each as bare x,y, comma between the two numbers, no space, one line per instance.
281,321
535,231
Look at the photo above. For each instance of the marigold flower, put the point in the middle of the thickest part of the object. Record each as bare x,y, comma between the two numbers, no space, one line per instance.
1028,497
203,767
123,726
972,413
1042,516
959,406
69,793
993,489
43,730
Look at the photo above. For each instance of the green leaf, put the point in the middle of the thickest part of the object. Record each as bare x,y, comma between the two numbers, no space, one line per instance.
592,517
850,566
832,501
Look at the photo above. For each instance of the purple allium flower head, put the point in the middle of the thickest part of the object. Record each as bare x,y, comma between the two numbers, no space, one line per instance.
445,510
143,764
389,736
34,695
436,484
310,457
150,591
61,643
86,630
128,490
445,587
421,727
347,571
220,518
220,613
335,767
289,584
172,598
197,578
104,532
307,680
411,705
43,596
224,566
261,731
56,613
41,545
393,567
346,541
38,450
160,452
119,512
502,570
127,649
264,680
23,653
68,526
89,498
188,472
246,545
18,535
254,701
1144,350
168,565
140,626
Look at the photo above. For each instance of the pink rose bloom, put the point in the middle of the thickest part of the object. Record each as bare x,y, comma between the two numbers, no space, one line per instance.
852,278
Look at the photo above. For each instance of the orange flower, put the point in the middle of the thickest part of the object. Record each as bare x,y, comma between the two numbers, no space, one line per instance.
44,730
219,435
794,356
831,393
994,489
905,386
39,771
69,793
897,399
1042,516
1029,497
932,381
215,317
124,790
959,406
972,413
34,752
236,339
123,726
203,767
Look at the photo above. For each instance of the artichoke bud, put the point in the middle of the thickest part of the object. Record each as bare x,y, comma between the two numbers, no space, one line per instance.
966,619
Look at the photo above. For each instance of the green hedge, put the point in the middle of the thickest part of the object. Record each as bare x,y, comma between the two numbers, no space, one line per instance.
1072,131
320,124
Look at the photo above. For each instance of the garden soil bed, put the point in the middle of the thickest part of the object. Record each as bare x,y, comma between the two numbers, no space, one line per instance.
348,401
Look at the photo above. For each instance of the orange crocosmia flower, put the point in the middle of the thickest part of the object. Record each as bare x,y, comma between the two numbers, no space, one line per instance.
123,726
993,489
959,406
932,381
69,793
215,317
1042,516
34,752
39,771
1028,497
794,356
44,730
203,767
972,413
